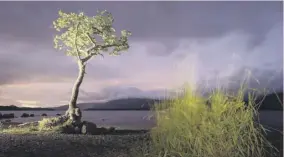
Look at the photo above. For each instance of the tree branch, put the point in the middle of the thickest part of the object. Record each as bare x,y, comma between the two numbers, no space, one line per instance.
91,39
99,31
90,56
97,53
75,42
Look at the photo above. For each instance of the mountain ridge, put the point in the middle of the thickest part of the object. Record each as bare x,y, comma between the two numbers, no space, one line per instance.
272,101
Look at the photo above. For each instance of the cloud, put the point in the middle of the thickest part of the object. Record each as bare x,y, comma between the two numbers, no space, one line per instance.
28,103
172,43
228,57
136,71
26,63
161,20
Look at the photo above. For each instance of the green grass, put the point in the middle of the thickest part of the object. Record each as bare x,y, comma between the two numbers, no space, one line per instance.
57,126
188,127
42,127
24,130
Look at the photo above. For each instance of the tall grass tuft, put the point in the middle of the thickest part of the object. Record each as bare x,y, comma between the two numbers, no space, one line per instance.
192,126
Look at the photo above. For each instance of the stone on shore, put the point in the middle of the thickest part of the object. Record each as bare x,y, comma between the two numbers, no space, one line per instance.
24,115
7,116
92,129
8,120
89,128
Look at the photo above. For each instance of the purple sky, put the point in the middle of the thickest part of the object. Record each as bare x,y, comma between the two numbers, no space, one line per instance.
172,43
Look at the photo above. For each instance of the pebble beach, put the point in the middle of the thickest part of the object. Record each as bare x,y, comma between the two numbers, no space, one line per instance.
62,145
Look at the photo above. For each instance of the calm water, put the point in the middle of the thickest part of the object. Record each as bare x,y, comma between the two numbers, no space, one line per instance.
134,119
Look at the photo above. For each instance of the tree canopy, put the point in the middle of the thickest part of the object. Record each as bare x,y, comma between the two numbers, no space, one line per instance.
85,36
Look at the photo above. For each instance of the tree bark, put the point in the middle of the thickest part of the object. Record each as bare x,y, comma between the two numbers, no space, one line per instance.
73,112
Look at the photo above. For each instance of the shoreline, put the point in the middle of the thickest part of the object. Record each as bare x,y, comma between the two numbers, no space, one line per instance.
77,145
120,143
47,145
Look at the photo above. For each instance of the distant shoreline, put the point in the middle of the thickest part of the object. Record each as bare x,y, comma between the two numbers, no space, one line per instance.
26,109
271,102
32,109
108,110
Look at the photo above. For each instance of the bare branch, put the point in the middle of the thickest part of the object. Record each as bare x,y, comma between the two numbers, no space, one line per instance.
93,42
99,31
90,56
75,42
87,58
94,48
90,49
91,39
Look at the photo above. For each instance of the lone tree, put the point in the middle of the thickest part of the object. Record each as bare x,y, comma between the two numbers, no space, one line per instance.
85,37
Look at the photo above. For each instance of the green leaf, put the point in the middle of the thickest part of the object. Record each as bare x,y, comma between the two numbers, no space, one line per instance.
99,27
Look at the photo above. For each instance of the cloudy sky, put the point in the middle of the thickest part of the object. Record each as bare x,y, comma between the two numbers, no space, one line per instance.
172,43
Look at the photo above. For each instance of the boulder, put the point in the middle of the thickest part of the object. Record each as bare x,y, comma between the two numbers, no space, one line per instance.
32,115
111,129
77,130
12,115
44,115
102,130
7,116
8,121
24,115
2,125
89,128
67,129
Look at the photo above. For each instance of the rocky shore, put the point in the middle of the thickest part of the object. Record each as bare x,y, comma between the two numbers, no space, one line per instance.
121,144
61,145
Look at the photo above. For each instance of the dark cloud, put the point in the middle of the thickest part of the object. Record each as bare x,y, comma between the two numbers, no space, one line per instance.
25,63
146,19
204,35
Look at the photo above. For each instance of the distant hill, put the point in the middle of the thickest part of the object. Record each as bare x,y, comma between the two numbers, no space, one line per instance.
126,104
118,104
82,106
270,102
13,108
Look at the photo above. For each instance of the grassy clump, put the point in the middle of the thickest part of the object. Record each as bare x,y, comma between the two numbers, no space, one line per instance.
46,125
55,124
190,127
21,130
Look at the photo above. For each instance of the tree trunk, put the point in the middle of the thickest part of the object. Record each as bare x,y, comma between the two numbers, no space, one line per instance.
74,113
